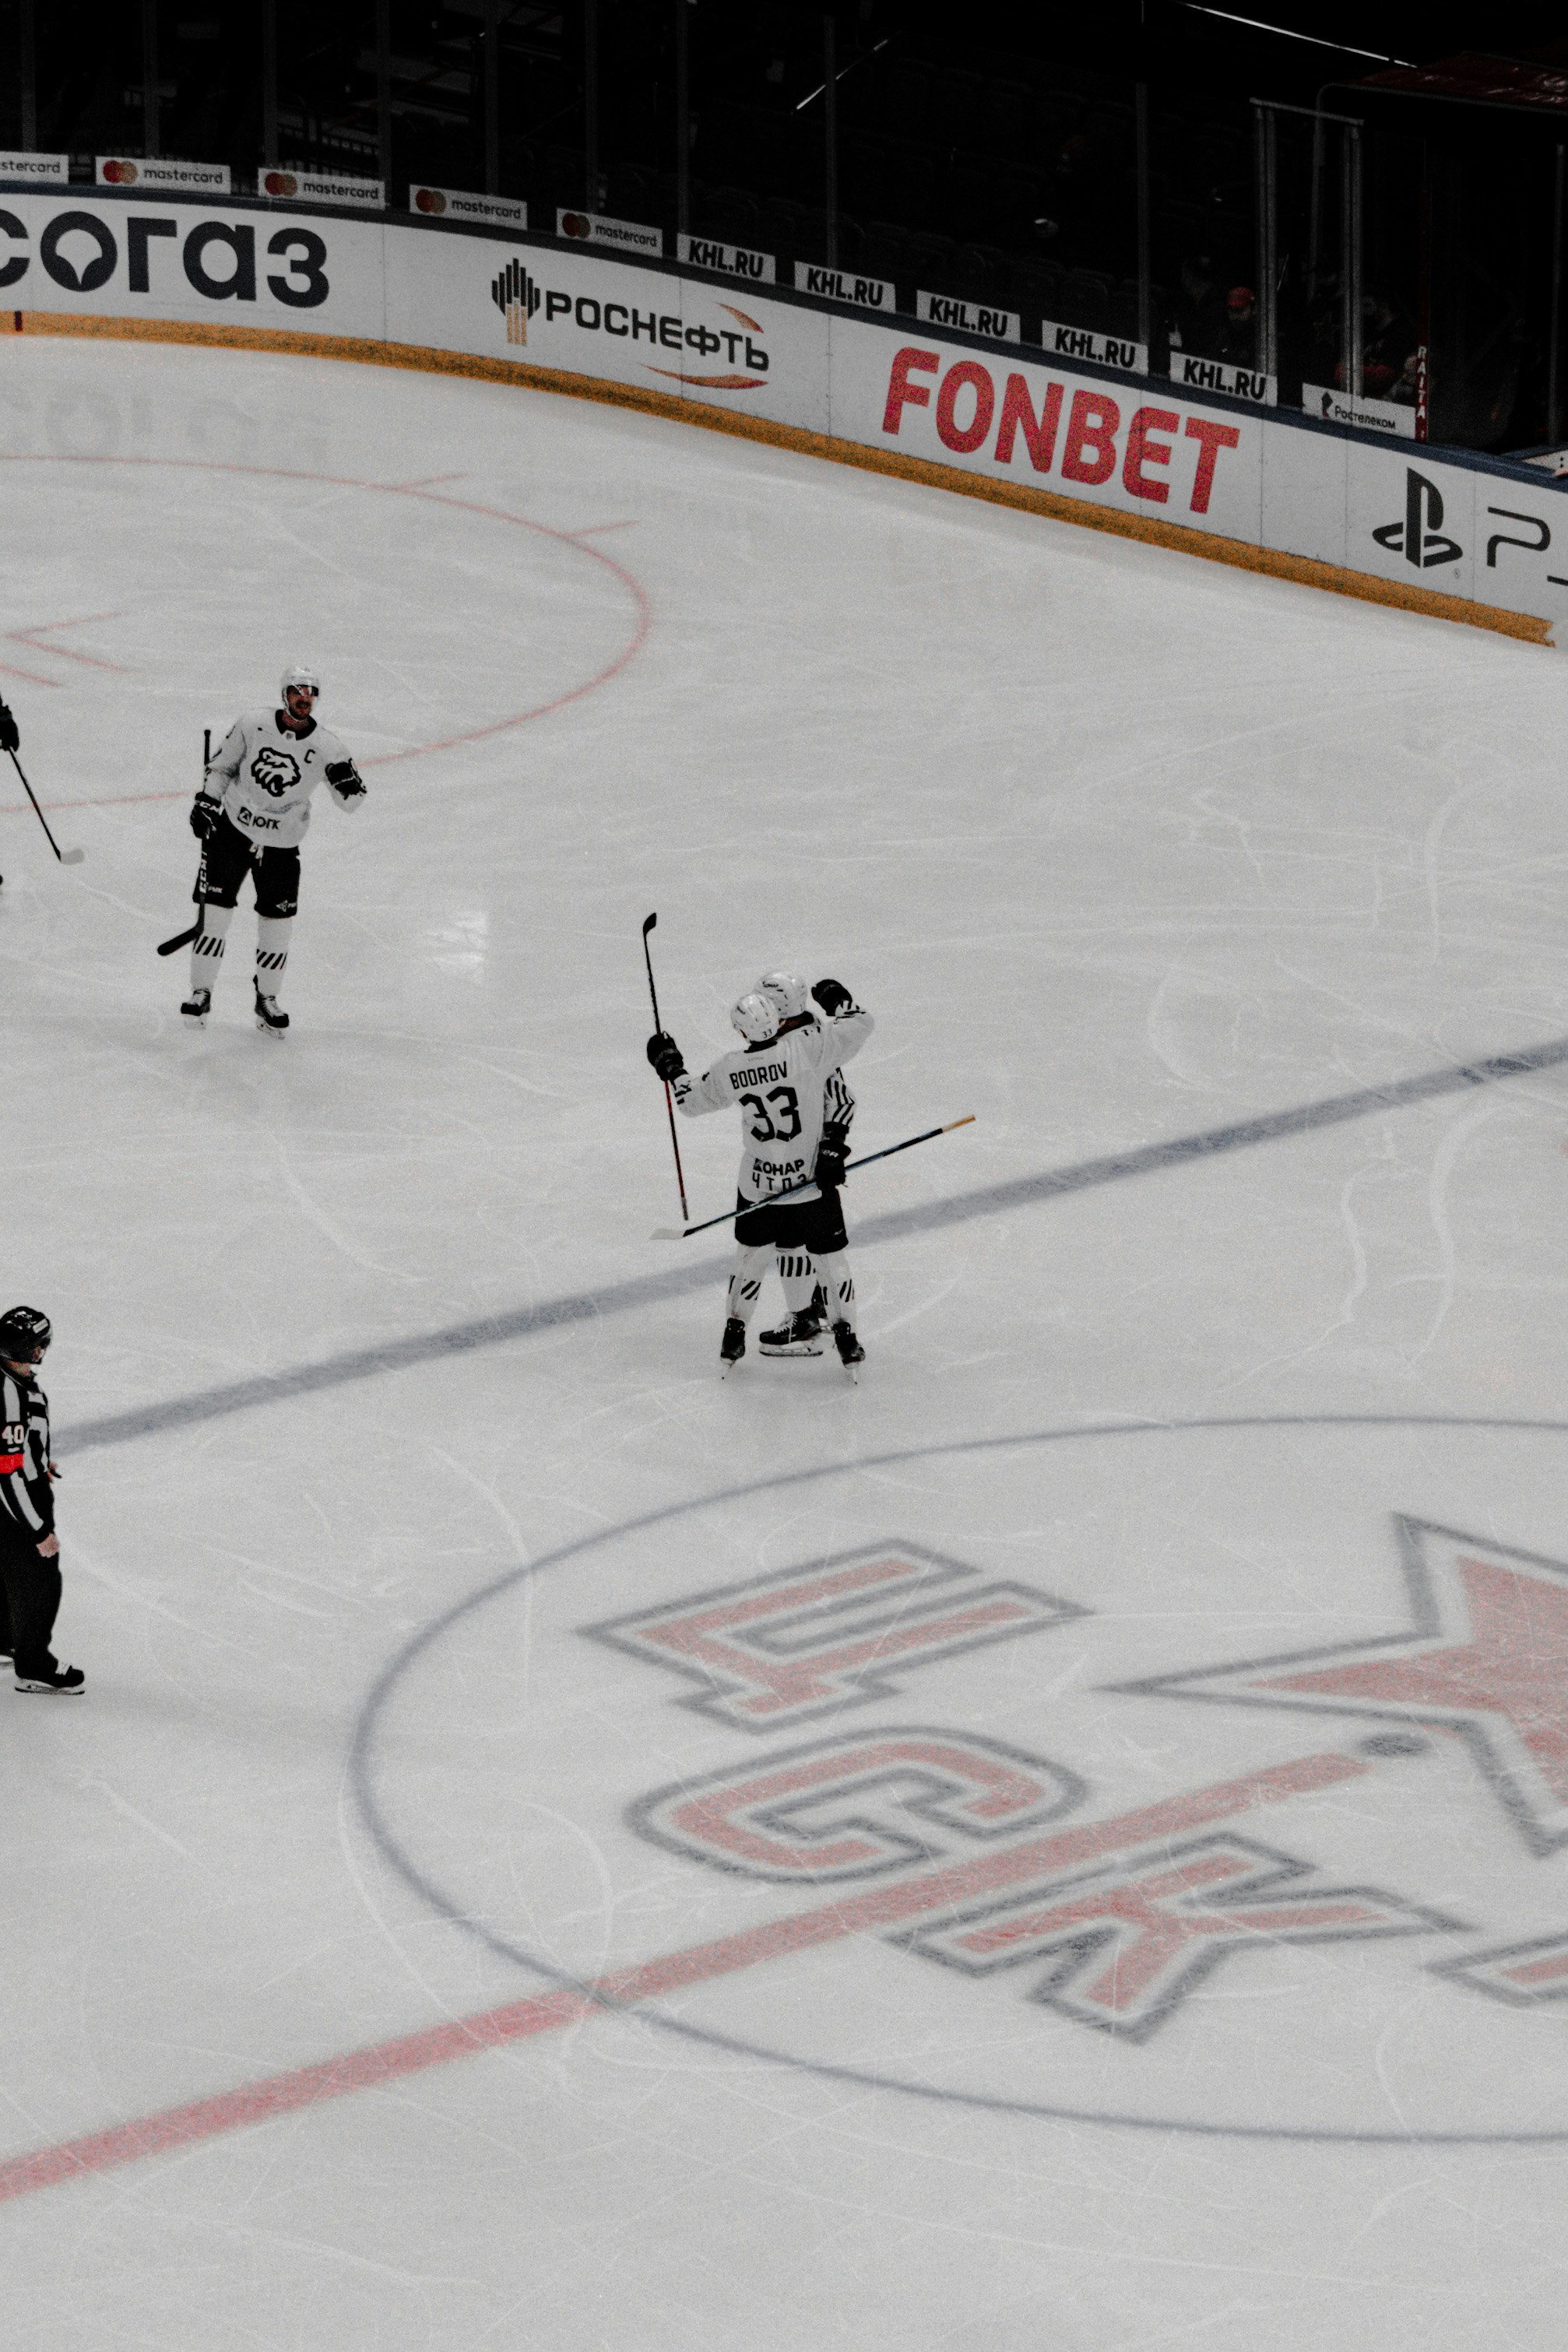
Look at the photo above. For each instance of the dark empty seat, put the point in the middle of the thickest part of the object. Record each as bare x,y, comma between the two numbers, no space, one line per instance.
1086,299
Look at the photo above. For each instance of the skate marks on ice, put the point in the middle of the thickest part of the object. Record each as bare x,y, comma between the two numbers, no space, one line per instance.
217,1402
892,1911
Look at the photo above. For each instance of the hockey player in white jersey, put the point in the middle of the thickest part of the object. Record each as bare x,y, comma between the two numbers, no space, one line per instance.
779,1082
251,815
806,1301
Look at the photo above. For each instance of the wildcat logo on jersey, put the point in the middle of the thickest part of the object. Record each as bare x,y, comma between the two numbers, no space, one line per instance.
275,771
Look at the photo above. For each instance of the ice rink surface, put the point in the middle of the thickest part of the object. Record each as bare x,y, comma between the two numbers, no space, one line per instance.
1120,1900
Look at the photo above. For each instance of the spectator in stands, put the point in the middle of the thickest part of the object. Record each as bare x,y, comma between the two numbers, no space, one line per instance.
1405,390
1199,319
1238,337
1386,335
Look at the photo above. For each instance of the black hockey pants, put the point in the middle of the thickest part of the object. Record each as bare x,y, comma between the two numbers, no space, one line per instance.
29,1600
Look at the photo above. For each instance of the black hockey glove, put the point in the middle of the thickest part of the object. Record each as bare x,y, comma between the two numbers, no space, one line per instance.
831,1155
664,1055
346,780
832,995
10,741
205,810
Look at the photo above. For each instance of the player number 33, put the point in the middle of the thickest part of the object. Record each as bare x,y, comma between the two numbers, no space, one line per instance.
762,1129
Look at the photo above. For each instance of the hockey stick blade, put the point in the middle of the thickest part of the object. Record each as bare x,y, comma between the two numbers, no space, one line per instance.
801,1194
63,856
180,940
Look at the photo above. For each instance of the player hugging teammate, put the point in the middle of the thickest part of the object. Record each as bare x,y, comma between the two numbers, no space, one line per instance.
796,1125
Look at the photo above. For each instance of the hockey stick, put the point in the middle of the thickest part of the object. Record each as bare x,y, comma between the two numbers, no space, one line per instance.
669,1102
66,857
183,938
807,1192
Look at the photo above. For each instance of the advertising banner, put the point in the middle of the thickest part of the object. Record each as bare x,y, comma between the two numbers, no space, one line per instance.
974,318
730,260
1051,429
1084,344
161,175
1373,415
296,185
25,163
843,285
591,315
597,228
1196,374
188,261
462,205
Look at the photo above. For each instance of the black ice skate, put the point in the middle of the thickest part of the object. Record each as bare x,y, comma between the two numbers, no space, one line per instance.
270,1017
850,1352
58,1681
797,1335
733,1346
196,1007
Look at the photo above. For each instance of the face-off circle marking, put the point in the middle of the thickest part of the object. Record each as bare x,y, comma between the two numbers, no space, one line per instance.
1280,1921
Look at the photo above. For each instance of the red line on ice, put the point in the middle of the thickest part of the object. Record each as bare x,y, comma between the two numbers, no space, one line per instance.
612,669
882,1906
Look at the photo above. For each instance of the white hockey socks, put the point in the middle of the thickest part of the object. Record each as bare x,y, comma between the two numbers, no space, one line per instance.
746,1281
833,1273
797,1272
206,949
271,951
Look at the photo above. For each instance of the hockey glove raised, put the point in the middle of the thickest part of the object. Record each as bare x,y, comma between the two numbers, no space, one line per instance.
346,780
664,1054
205,810
10,741
831,1154
832,995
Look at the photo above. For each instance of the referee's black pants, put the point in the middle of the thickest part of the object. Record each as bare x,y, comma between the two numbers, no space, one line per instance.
29,1600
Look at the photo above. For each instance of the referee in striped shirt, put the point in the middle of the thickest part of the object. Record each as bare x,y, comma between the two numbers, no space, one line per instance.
29,1548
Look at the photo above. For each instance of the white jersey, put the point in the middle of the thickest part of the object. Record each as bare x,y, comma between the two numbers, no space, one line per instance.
779,1088
264,774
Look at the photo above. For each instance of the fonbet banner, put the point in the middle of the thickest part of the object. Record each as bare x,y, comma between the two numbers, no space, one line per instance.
1152,450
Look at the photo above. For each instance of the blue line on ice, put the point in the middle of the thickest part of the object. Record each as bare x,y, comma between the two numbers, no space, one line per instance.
675,1282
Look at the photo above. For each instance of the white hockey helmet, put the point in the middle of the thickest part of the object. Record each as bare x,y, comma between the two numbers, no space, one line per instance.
756,1017
300,674
787,991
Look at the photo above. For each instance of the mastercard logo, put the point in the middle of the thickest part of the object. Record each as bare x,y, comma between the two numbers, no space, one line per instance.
280,183
119,175
429,200
574,225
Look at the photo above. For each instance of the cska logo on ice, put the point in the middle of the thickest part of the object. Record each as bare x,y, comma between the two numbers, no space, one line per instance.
980,1858
737,354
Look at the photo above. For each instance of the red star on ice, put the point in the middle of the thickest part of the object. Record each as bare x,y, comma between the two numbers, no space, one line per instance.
1486,1657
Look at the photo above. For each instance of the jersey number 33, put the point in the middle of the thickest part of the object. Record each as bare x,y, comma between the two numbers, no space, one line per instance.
775,1117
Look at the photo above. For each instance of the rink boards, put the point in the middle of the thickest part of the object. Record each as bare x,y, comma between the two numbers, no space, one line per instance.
1464,537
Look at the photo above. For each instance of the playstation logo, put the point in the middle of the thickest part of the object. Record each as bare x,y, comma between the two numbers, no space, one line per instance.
1419,538
517,297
